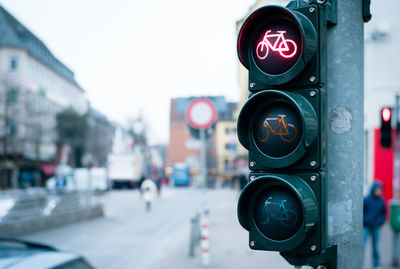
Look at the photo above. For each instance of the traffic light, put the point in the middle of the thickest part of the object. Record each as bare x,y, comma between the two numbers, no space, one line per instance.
386,127
283,125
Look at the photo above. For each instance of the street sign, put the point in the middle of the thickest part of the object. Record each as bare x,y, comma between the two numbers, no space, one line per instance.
201,113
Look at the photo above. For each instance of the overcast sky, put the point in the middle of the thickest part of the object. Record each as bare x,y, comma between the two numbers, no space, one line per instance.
125,53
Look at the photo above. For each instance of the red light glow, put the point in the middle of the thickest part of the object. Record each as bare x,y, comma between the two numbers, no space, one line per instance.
386,113
287,48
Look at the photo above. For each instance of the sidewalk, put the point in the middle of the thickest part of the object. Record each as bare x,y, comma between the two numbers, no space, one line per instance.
228,241
385,249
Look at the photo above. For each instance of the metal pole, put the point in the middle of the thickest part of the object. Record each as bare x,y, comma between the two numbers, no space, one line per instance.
345,106
205,245
395,240
192,241
203,157
397,153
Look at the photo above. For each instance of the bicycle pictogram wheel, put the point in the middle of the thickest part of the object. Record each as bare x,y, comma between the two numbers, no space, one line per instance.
287,48
260,49
287,136
264,129
289,218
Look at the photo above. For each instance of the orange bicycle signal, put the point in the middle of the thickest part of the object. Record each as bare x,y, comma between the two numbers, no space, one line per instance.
283,131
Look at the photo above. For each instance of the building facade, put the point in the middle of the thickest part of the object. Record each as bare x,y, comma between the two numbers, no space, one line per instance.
99,139
34,87
382,83
184,148
226,150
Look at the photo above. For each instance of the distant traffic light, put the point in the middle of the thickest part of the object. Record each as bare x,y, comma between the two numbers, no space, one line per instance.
283,125
386,127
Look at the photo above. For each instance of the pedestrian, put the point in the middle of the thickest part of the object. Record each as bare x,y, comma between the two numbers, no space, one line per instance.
374,217
158,184
149,190
142,178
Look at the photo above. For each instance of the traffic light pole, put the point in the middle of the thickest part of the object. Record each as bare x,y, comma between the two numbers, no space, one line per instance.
345,107
204,220
203,158
397,153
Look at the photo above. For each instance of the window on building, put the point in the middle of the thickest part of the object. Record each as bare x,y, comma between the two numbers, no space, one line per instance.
42,92
226,164
227,130
12,96
231,147
13,64
11,127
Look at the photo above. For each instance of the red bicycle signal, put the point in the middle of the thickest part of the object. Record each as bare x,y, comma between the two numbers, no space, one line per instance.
287,48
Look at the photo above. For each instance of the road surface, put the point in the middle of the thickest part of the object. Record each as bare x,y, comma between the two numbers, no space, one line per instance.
130,237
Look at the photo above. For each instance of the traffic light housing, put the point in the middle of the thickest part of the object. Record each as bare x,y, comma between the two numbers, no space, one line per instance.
282,47
282,212
283,126
284,129
386,127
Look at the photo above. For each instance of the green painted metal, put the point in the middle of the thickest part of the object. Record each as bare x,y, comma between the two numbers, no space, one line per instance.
311,236
395,215
302,171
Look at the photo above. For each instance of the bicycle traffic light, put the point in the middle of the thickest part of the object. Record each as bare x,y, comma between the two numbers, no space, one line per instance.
283,125
386,127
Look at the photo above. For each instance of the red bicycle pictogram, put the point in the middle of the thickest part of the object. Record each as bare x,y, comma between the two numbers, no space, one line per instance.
287,48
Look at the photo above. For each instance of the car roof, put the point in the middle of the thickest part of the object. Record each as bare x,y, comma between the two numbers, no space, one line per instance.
37,259
19,254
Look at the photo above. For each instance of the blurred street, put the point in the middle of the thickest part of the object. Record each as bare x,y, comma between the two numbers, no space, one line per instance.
130,237
128,130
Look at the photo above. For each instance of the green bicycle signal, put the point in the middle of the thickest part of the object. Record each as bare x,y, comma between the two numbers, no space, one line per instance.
278,211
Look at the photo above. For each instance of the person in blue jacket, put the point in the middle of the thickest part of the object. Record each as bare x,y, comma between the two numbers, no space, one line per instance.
374,218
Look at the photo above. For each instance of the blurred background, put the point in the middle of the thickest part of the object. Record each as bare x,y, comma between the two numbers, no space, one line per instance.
93,98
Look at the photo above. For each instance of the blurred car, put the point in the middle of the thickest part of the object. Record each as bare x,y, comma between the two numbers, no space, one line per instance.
181,174
95,179
83,179
19,254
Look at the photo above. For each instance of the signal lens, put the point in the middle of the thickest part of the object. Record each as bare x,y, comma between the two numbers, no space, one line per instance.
277,46
277,212
386,114
277,129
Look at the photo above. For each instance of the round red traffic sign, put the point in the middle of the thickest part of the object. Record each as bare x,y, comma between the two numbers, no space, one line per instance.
201,113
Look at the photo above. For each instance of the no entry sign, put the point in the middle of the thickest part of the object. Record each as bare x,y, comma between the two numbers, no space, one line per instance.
201,113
